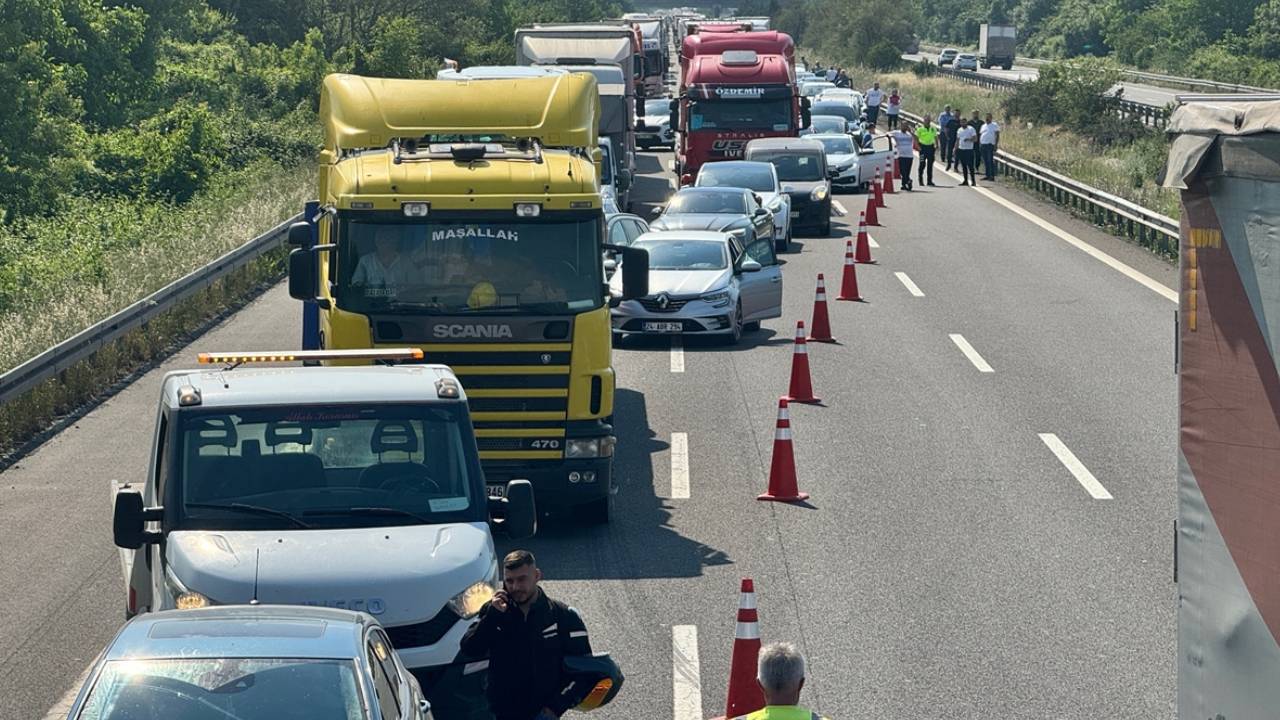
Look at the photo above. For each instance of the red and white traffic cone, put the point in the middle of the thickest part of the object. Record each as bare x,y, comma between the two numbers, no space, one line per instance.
745,695
782,469
801,389
870,213
888,177
821,330
849,283
877,191
862,250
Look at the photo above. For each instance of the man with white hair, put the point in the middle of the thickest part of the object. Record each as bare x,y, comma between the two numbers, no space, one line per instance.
781,676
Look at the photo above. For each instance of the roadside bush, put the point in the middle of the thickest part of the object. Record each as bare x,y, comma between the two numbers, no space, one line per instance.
884,55
1075,94
924,69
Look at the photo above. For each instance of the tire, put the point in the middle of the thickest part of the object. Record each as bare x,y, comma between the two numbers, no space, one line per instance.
735,336
596,512
751,326
617,339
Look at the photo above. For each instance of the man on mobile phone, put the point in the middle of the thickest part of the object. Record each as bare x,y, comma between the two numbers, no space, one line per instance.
526,636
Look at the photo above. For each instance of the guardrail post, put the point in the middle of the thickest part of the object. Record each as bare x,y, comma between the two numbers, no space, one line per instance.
310,310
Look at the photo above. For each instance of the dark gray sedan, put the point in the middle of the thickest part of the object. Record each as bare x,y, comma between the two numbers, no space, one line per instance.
736,211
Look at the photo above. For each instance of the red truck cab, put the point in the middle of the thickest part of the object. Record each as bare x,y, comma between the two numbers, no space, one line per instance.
734,87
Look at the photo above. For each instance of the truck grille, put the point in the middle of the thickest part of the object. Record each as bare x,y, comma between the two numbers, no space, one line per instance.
424,633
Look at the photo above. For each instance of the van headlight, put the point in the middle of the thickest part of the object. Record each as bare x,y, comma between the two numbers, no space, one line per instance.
818,194
184,599
597,447
717,299
469,602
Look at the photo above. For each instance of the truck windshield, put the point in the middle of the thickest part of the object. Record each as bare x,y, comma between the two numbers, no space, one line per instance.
328,466
738,114
222,688
452,263
653,64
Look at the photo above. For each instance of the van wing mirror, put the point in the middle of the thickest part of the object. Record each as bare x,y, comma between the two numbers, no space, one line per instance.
635,273
130,518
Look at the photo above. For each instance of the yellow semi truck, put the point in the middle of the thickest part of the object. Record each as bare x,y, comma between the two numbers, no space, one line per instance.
464,217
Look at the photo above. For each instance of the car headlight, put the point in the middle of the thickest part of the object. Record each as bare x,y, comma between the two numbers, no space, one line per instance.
717,299
846,167
470,601
600,447
775,204
819,193
740,233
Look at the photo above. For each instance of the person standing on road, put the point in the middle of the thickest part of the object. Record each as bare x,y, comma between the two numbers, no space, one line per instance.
950,130
943,118
526,636
966,141
988,143
874,97
894,106
926,140
905,143
780,672
831,74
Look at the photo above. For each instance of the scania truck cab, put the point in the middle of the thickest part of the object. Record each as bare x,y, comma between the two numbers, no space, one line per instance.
473,230
734,87
350,487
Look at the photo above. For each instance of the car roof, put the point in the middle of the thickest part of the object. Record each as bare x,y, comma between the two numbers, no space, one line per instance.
730,164
801,144
693,190
265,631
829,136
816,116
291,385
683,235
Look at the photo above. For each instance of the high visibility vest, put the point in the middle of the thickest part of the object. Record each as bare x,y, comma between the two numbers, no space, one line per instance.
781,712
927,135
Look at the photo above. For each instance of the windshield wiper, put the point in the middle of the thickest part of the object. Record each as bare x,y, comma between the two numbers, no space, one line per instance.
372,511
550,306
254,509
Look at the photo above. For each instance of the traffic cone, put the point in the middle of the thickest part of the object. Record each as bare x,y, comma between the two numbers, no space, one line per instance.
782,469
888,177
821,330
849,284
862,251
801,389
877,190
870,213
745,695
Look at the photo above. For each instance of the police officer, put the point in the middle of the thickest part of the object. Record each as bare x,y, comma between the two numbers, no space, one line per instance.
927,140
526,636
780,671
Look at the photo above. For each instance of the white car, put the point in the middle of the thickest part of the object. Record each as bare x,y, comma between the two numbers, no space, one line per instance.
761,178
654,127
701,283
842,159
966,61
852,98
813,87
947,56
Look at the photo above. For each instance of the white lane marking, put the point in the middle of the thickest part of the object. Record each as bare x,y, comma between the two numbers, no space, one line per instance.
970,353
1077,468
679,466
871,242
686,676
1123,268
62,707
677,354
911,286
839,208
671,184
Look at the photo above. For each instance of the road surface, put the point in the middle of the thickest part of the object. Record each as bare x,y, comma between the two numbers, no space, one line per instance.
958,558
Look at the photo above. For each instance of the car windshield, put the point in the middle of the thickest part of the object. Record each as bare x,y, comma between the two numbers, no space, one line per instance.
450,263
225,688
685,254
293,466
811,89
754,176
794,166
708,202
740,114
827,124
657,107
837,145
837,109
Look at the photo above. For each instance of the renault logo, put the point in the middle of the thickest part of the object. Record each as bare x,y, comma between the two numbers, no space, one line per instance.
546,358
663,301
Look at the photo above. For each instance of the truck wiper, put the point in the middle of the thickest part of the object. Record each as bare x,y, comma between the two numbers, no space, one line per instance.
372,511
253,509
543,307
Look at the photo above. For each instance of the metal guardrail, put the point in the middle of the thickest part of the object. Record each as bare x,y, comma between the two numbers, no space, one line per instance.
1146,227
58,358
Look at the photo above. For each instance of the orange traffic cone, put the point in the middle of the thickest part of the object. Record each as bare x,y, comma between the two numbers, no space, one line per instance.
849,283
745,695
862,251
782,469
877,190
888,177
821,330
801,389
870,212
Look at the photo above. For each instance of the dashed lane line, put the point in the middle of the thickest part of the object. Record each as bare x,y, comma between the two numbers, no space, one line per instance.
679,466
910,284
871,242
970,353
677,354
1077,468
686,674
839,208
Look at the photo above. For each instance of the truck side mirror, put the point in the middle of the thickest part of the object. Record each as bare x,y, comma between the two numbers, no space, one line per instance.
635,273
129,521
304,280
300,234
624,178
521,517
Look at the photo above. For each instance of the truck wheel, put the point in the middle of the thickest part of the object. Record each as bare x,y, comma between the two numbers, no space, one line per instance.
596,512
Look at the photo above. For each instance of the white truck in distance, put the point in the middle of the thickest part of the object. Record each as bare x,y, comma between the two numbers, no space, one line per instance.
351,487
996,45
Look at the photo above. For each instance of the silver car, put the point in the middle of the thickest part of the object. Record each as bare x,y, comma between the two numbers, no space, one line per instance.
701,283
966,61
842,160
250,661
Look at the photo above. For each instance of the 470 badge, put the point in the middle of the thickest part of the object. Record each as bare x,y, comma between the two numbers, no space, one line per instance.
728,148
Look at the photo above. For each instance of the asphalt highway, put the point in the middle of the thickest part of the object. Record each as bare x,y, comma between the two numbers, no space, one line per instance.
953,562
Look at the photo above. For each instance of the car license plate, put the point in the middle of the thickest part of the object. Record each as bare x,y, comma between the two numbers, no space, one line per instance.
663,327
496,491
795,213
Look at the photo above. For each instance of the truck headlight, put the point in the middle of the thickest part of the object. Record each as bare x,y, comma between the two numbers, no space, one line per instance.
818,194
600,447
470,601
717,299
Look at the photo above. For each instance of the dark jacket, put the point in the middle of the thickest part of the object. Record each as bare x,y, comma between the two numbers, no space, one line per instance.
953,125
526,654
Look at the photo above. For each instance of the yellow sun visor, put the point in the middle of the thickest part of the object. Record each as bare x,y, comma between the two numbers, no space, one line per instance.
361,113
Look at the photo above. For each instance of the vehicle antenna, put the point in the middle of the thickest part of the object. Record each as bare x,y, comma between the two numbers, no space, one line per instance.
257,562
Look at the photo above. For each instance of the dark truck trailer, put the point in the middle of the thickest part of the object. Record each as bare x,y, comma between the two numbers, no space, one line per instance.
1225,160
